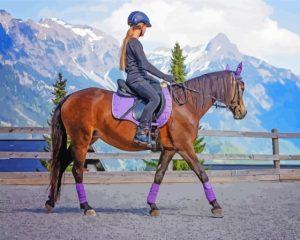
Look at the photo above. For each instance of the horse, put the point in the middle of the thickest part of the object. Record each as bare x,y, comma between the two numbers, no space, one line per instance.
86,115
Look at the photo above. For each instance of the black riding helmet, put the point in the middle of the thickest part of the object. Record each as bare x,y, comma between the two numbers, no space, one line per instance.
137,17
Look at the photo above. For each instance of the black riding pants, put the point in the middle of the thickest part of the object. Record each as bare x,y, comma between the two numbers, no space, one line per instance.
150,90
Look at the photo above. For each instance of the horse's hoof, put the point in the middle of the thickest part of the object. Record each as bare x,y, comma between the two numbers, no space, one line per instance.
154,212
90,212
48,208
217,212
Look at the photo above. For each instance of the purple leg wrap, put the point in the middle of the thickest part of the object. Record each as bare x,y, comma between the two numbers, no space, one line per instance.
81,192
209,192
50,195
153,193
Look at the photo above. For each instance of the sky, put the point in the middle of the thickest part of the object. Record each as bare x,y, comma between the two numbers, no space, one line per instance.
266,29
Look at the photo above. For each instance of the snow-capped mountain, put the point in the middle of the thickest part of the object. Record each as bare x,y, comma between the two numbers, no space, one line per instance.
32,53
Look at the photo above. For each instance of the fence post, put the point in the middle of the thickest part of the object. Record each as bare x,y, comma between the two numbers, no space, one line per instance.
275,144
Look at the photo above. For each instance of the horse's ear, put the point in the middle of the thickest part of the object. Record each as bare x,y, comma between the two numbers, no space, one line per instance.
239,69
227,68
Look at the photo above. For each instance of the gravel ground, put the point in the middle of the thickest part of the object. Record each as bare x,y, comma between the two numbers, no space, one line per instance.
252,210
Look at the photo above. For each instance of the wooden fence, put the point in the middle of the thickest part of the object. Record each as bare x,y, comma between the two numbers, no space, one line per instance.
275,174
274,135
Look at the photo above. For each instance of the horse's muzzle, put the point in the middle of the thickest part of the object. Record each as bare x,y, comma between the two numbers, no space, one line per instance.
240,117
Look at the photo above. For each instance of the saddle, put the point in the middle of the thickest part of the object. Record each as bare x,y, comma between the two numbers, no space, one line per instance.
139,103
126,105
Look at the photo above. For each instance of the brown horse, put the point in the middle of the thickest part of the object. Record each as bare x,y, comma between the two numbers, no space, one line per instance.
86,115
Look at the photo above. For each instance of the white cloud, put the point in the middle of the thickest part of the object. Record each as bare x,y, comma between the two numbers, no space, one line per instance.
47,13
247,23
77,14
259,93
76,9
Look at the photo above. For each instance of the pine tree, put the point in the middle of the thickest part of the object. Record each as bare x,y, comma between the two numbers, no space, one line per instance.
178,70
59,92
177,64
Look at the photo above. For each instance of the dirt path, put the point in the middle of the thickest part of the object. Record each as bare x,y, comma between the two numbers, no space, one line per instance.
256,210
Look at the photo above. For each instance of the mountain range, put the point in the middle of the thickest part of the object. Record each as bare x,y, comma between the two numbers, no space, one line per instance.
33,53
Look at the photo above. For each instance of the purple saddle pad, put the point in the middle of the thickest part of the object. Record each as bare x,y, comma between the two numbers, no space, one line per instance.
120,105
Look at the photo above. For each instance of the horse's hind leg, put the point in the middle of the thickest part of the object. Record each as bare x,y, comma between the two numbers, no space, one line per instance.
66,160
164,160
79,151
191,158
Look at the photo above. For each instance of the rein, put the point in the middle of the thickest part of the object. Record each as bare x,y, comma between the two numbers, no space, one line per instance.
218,103
184,91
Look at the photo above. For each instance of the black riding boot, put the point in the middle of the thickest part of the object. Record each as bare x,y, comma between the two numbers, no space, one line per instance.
141,135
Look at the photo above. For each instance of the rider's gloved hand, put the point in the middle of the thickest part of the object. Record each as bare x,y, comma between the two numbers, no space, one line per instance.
169,78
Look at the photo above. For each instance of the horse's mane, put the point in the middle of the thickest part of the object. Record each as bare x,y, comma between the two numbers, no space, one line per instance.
211,85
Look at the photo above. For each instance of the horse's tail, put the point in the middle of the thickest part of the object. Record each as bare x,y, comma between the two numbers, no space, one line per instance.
59,150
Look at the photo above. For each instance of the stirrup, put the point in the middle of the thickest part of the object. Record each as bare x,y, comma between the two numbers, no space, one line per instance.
149,142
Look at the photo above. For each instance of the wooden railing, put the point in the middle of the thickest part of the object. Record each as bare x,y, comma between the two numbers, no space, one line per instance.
274,135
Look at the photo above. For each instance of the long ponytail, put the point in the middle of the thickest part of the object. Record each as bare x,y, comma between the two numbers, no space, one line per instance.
123,48
124,45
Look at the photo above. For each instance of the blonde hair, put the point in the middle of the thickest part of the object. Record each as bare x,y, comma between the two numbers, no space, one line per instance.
125,42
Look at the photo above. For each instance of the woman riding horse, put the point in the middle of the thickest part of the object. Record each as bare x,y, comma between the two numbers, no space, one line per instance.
136,65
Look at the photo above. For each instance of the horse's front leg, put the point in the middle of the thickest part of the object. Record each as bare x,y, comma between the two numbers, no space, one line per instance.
191,158
164,160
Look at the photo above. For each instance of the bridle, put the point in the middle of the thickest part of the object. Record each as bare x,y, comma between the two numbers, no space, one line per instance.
236,100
